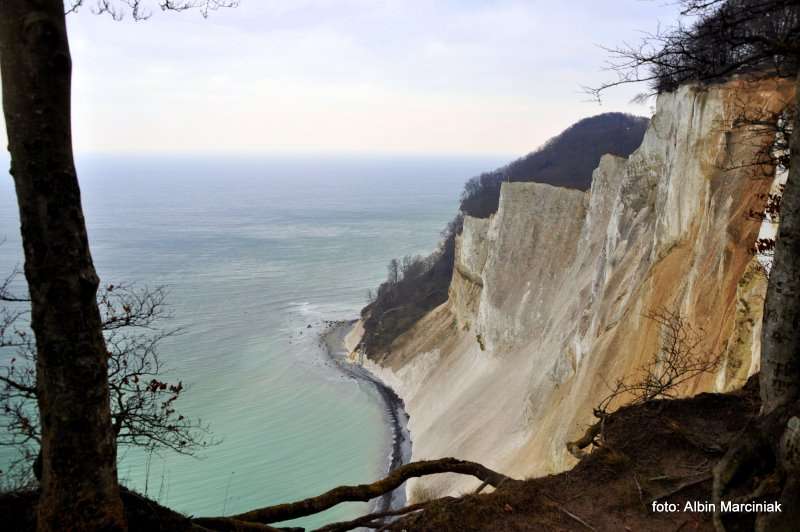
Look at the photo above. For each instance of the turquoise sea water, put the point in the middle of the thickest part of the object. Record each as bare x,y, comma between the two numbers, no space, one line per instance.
252,251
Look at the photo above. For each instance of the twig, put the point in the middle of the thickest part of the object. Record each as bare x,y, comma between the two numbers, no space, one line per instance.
639,489
575,517
568,513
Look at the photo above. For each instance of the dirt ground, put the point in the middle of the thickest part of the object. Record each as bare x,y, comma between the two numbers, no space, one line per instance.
662,451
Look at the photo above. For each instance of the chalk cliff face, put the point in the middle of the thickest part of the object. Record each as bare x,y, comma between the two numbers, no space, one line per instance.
548,296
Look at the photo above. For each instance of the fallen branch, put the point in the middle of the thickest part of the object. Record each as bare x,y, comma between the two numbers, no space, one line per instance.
368,519
362,492
229,524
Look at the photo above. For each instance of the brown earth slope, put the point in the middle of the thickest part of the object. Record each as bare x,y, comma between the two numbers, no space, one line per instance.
662,451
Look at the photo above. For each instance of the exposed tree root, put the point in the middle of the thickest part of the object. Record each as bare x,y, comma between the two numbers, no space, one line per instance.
762,465
678,360
576,448
363,492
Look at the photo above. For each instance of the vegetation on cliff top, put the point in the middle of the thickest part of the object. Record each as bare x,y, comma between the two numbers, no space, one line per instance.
566,160
414,286
726,38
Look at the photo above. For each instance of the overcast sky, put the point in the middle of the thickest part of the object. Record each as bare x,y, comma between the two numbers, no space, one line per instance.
354,76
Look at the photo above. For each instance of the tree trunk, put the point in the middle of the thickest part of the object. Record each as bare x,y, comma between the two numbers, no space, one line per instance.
780,340
79,489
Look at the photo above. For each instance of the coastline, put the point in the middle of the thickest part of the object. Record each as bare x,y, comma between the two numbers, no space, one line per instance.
332,339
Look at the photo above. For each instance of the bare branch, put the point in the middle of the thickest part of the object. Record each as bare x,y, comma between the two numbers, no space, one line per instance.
139,11
677,361
363,492
5,288
375,518
142,402
756,38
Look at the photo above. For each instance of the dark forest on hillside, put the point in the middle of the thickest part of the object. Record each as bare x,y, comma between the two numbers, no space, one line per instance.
566,160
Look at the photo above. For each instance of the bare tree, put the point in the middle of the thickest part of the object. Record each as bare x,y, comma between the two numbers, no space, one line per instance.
142,404
678,360
79,481
414,266
370,296
394,274
79,488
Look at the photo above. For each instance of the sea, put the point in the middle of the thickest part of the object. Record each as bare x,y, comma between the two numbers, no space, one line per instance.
256,253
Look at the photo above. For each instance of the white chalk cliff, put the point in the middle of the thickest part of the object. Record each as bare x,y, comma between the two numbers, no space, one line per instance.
547,300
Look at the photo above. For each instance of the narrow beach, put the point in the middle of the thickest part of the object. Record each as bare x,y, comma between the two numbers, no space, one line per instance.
333,341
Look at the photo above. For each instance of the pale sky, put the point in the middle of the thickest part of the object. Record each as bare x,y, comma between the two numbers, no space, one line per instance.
350,76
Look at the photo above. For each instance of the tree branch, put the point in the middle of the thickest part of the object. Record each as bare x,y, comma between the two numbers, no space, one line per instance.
362,492
365,520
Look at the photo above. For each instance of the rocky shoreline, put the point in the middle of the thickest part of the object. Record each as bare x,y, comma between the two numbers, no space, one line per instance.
333,341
